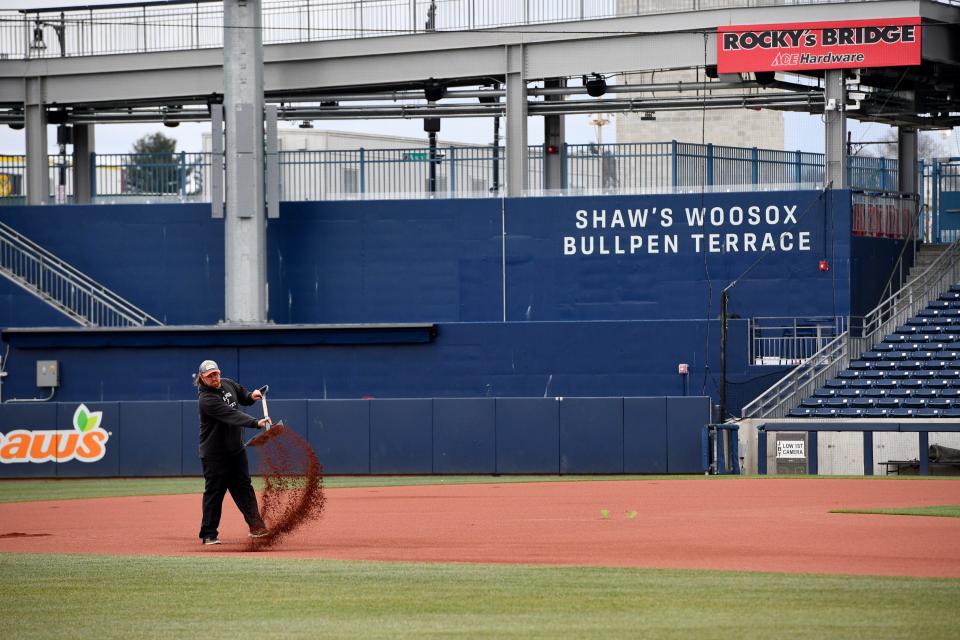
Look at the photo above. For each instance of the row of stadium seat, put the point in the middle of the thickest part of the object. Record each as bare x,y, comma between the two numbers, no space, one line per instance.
911,355
802,412
904,365
927,327
880,388
939,342
888,402
932,311
847,376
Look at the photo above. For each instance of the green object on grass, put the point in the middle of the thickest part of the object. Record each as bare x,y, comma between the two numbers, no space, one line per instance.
604,513
212,598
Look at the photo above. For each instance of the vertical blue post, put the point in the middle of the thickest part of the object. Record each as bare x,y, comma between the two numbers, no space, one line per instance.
762,451
363,172
813,462
564,158
868,453
93,175
735,450
798,165
705,448
935,176
183,173
673,161
453,170
709,164
923,439
754,166
883,174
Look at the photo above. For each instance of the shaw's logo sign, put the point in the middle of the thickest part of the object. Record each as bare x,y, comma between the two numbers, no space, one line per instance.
86,442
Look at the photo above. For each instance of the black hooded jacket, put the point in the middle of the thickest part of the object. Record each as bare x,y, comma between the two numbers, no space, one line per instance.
221,423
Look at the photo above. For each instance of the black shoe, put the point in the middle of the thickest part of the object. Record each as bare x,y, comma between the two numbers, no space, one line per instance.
259,532
211,540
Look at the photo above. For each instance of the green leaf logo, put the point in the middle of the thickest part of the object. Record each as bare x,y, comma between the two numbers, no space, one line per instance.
85,420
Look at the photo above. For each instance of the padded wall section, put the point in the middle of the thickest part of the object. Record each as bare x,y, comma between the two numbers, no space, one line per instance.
339,433
15,419
591,435
109,464
401,436
464,435
151,442
528,433
645,435
686,418
190,436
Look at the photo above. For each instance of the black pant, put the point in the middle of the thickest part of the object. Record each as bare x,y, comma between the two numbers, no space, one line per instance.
227,473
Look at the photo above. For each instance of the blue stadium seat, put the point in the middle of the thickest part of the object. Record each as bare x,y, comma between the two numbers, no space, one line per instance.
955,288
886,384
936,383
836,383
848,374
875,393
825,413
849,392
835,402
861,383
886,346
907,365
948,339
897,337
813,403
898,355
923,374
949,374
953,344
858,365
824,392
947,355
938,304
900,393
926,412
910,383
913,403
888,403
953,412
952,364
862,403
905,330
955,384
875,355
909,346
939,403
900,413
874,413
949,295
800,412
897,375
935,365
872,375
925,393
850,413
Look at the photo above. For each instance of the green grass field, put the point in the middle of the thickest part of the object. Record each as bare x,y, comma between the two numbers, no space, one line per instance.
259,597
106,597
942,511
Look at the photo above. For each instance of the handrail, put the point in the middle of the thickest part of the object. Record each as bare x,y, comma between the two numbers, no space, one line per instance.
806,378
55,281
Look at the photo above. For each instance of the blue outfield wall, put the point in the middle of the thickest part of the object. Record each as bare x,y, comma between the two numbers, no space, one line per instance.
395,436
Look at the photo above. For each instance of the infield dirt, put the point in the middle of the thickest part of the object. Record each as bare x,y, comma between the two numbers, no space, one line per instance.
782,525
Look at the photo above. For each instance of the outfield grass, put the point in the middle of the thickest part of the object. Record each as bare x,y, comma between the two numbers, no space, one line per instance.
943,511
257,597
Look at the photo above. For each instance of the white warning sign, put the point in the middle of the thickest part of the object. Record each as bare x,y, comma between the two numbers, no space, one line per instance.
790,449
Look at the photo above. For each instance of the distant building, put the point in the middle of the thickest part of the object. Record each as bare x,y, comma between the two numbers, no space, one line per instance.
728,127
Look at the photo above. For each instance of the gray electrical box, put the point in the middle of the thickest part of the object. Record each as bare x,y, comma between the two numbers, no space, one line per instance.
48,373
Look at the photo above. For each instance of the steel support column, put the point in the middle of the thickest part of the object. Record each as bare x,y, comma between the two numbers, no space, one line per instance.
554,135
35,122
516,121
84,144
245,224
835,119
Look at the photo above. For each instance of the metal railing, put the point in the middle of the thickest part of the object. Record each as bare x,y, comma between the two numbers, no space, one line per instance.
198,24
70,291
781,341
861,336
